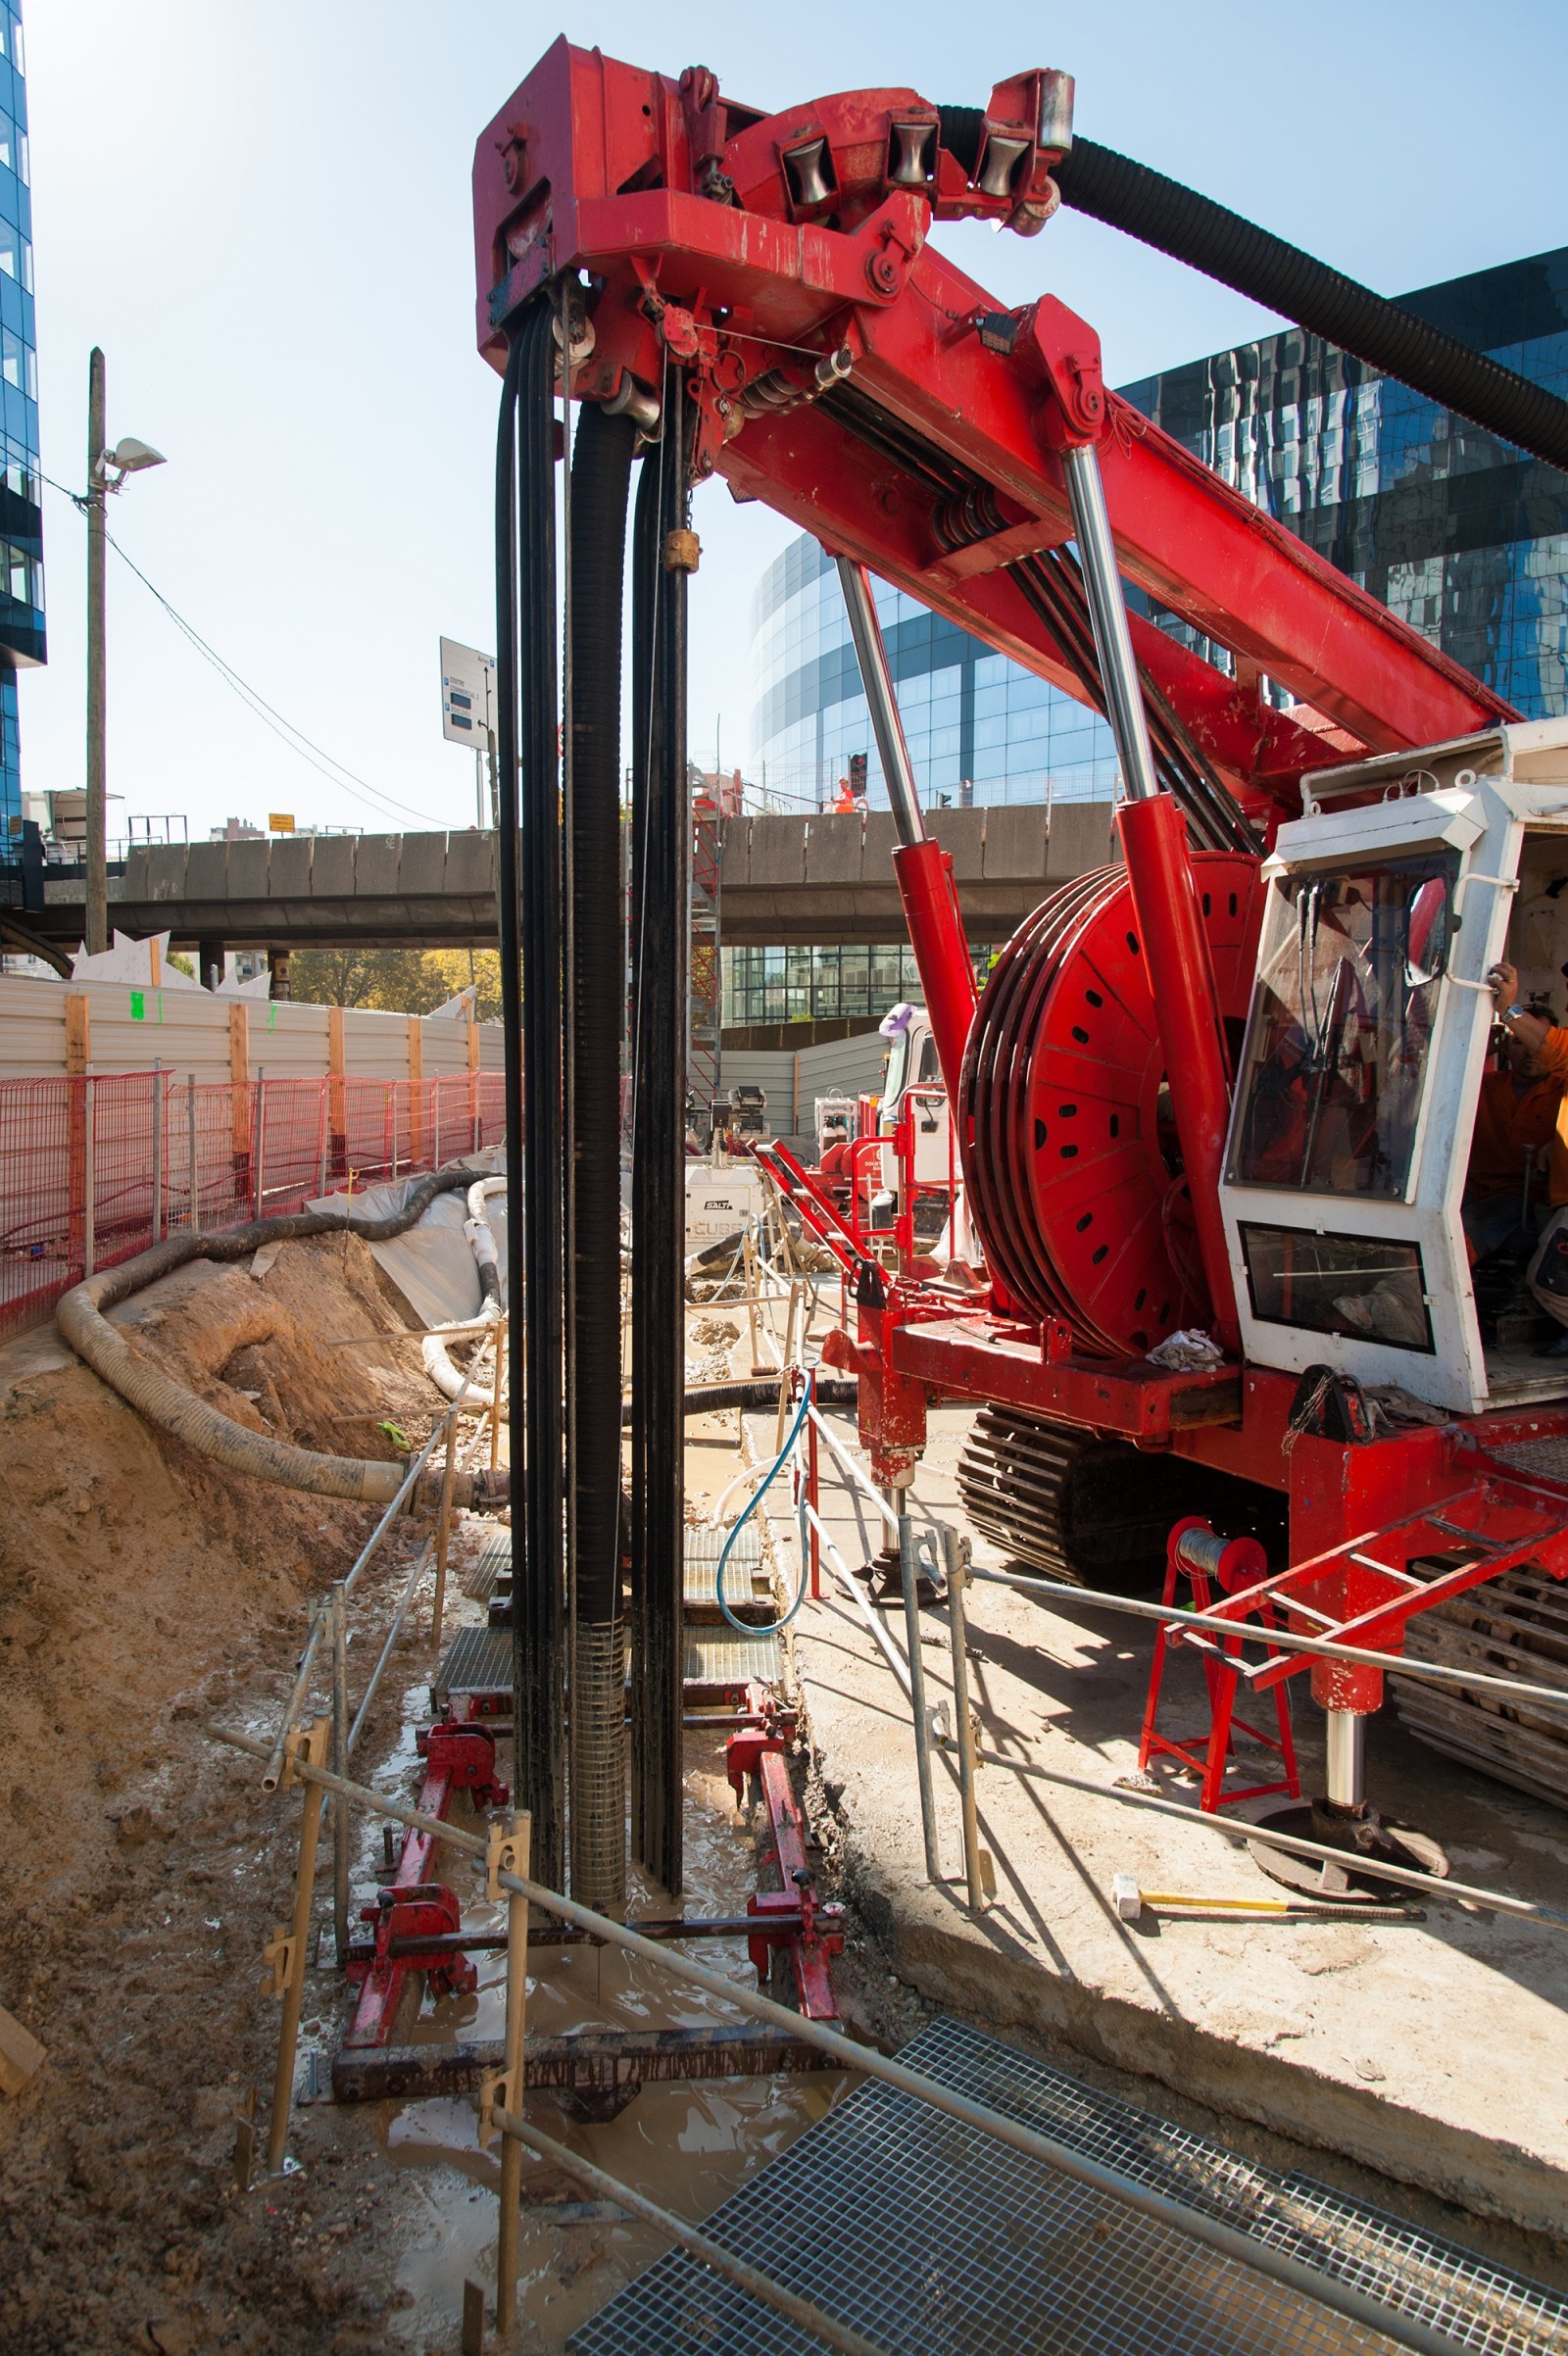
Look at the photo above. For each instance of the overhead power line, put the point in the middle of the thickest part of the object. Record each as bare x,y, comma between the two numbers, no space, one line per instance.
295,739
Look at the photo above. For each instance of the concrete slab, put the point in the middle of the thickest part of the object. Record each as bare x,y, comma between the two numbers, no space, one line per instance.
1015,842
472,863
1082,836
288,871
248,864
375,864
961,834
1430,2050
778,852
332,868
206,871
833,847
422,866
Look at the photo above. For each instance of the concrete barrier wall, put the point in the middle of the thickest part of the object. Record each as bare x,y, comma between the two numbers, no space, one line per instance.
794,1080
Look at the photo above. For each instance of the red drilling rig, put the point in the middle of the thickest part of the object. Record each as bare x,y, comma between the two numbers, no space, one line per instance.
1229,1084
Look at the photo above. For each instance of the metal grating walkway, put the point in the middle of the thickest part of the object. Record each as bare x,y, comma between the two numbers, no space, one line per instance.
935,2240
478,1660
492,1569
746,1587
1546,1458
731,1660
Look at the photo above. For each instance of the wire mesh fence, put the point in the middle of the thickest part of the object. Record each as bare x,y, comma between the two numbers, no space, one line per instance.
97,1168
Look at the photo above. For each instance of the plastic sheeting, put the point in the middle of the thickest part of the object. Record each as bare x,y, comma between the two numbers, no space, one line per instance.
431,1264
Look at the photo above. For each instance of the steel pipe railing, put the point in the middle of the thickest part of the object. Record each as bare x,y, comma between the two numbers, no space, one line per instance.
1258,2257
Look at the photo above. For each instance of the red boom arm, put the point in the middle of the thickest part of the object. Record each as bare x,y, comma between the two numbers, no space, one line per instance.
851,377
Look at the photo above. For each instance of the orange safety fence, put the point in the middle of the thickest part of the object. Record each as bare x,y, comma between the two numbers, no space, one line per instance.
95,1169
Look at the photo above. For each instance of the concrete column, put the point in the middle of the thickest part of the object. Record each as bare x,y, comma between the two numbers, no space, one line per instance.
210,963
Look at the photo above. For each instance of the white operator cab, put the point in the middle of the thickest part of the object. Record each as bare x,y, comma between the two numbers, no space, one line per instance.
1406,879
914,1063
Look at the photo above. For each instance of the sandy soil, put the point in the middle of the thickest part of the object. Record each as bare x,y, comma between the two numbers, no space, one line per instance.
142,1594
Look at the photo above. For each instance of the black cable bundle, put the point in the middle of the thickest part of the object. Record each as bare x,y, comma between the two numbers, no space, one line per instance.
660,853
530,938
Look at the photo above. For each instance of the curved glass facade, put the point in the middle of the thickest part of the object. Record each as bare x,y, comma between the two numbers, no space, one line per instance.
1460,534
979,728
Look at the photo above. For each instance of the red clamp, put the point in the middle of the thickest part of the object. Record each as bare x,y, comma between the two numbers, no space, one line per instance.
402,1917
467,1754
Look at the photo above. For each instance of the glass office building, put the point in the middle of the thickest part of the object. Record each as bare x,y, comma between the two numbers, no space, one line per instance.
1464,537
21,619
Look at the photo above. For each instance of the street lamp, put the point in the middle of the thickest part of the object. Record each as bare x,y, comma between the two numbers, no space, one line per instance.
106,470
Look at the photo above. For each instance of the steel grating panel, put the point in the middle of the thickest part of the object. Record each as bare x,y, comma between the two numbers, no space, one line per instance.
729,1661
478,1660
746,1587
481,1578
1547,1457
935,2240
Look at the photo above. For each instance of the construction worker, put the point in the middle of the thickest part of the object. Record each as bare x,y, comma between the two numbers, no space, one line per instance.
1546,1044
1516,1121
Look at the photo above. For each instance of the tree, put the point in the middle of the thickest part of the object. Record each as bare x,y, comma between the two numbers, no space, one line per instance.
399,981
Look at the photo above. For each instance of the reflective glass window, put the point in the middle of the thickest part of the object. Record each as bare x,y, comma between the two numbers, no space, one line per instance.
1342,1020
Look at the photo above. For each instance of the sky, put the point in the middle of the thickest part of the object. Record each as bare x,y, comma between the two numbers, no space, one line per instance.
261,214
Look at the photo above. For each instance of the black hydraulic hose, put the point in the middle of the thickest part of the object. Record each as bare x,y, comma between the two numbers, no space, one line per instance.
601,477
532,1010
661,852
1193,229
713,1398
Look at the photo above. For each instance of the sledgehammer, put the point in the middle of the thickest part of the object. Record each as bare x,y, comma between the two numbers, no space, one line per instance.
1131,1901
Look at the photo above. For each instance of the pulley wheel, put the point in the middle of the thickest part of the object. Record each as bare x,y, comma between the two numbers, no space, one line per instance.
1069,1147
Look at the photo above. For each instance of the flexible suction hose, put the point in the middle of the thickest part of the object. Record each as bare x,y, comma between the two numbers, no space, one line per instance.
82,1318
451,1380
1193,229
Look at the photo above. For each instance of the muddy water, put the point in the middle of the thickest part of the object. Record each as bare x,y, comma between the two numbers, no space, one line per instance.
687,2147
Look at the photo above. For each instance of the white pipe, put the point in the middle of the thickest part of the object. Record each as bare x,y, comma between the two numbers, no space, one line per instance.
449,1379
859,1478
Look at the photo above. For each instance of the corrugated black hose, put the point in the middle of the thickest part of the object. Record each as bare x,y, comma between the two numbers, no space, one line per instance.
1193,229
600,477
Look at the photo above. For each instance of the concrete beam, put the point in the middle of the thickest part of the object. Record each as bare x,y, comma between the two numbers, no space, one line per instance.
818,881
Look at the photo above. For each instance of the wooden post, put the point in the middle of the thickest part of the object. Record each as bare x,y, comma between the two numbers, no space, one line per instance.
337,1093
78,1054
504,2090
340,1766
751,1280
416,1121
239,1099
443,1529
495,1395
289,1952
154,964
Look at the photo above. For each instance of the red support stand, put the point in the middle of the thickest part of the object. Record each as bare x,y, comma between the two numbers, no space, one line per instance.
1199,1553
812,1930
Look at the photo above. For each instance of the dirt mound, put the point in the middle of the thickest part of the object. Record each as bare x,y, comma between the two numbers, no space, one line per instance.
142,1592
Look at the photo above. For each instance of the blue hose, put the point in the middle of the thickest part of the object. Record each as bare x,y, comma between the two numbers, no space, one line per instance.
774,1627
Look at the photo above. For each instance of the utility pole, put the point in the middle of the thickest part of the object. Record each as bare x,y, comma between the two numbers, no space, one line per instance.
96,933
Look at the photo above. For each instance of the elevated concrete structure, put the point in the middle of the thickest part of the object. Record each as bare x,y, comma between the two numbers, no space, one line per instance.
830,880
785,879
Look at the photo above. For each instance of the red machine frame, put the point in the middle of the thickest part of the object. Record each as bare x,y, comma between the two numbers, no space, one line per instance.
848,375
